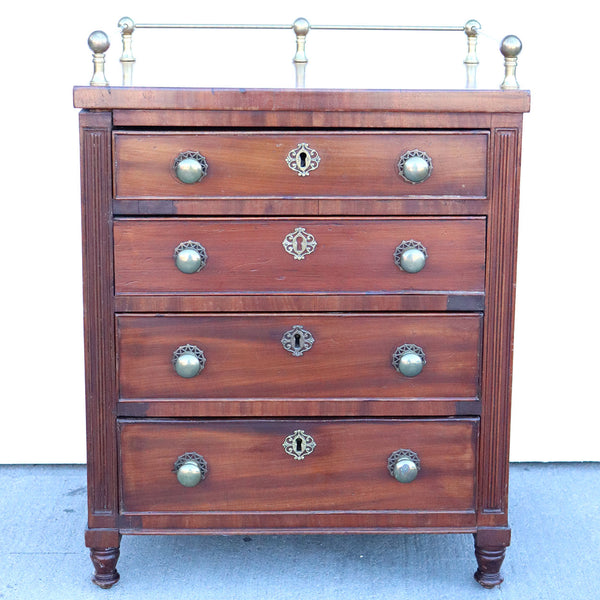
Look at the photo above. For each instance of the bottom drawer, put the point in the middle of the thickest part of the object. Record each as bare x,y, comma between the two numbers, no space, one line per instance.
300,466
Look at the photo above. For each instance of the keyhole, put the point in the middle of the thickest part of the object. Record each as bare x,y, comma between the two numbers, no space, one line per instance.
297,346
299,445
302,156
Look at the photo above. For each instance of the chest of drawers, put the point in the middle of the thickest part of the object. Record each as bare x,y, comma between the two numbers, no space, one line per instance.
298,312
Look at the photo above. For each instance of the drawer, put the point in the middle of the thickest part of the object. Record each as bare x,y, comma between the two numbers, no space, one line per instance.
254,164
289,256
344,465
298,356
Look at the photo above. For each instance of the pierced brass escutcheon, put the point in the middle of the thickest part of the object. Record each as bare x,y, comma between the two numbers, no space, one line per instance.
297,340
299,243
303,159
299,444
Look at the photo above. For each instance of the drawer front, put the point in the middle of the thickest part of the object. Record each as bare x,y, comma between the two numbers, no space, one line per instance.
248,468
351,164
329,356
284,256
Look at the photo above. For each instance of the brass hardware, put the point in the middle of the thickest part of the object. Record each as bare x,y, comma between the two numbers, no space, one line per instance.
127,26
188,361
404,465
297,340
415,166
98,43
409,360
471,61
300,27
190,257
191,469
299,444
510,47
410,256
303,159
190,167
299,243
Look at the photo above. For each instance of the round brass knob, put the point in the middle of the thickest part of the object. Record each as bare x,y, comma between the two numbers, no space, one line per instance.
409,360
190,167
404,465
190,257
415,166
410,256
189,474
191,468
188,361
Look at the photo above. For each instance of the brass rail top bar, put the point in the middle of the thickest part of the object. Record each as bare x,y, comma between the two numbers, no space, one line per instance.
99,43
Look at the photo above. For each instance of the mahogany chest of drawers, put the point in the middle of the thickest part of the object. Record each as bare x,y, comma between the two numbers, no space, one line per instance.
299,312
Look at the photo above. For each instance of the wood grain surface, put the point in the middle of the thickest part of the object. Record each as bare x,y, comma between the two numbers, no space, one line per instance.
247,255
248,469
351,356
242,164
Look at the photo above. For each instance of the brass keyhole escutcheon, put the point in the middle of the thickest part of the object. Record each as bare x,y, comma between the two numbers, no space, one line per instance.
303,159
297,340
299,243
299,444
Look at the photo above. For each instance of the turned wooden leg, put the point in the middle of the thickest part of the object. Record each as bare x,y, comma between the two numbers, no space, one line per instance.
490,548
489,561
105,565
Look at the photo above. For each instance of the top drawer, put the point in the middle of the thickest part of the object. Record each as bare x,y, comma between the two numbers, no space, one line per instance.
302,164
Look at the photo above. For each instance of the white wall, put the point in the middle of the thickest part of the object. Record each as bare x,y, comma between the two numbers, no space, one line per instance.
555,400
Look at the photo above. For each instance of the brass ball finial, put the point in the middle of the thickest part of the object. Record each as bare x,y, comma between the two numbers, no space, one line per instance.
472,27
301,26
126,25
98,42
511,46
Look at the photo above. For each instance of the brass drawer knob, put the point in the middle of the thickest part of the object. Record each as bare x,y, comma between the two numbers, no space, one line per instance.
409,360
188,361
190,257
191,468
410,256
415,166
404,465
190,167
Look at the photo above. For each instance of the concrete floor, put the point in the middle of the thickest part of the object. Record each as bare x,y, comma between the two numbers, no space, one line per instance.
555,516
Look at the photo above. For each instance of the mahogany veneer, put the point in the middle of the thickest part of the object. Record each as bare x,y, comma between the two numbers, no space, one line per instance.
351,356
355,163
354,256
248,472
253,396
